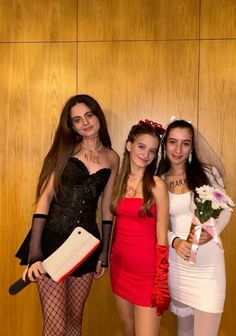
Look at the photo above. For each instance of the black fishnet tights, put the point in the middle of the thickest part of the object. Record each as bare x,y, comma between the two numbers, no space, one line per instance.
63,304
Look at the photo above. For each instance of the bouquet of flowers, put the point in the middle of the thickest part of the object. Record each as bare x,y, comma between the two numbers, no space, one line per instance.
209,204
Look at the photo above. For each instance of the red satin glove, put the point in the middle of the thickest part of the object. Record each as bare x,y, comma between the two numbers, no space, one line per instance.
160,294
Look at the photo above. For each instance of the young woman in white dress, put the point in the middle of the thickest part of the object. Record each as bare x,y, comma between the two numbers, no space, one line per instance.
197,290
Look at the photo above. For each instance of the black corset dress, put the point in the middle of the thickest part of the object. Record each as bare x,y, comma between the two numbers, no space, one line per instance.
75,205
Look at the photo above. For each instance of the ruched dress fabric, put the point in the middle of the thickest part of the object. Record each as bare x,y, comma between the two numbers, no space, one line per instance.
74,205
133,253
202,285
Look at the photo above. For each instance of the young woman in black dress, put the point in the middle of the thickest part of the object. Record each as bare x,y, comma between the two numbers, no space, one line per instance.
79,167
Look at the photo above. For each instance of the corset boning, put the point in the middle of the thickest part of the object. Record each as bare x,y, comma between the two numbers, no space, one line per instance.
68,212
76,203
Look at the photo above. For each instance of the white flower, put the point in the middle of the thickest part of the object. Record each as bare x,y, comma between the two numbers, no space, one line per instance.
215,205
205,192
218,199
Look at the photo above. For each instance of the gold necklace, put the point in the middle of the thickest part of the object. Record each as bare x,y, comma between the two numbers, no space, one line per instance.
131,191
132,177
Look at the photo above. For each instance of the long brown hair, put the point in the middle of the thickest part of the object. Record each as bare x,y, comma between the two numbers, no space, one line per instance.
146,127
195,170
66,139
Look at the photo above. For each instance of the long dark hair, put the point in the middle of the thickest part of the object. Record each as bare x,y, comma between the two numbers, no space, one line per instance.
148,182
66,139
195,170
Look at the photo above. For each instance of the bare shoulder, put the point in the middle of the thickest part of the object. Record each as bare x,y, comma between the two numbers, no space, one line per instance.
113,154
160,183
160,191
113,157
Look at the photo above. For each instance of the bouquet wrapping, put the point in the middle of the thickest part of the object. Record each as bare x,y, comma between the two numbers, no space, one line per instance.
210,202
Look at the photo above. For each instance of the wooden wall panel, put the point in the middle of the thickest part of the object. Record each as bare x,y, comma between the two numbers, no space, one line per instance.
153,80
218,19
32,94
134,81
131,79
34,20
139,19
217,120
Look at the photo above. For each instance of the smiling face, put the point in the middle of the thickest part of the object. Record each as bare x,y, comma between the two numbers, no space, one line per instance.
179,145
84,122
142,151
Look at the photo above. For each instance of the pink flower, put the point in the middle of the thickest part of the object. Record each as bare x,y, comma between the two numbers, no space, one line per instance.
218,195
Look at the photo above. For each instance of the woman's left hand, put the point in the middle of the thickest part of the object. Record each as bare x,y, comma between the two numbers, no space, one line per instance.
100,271
205,237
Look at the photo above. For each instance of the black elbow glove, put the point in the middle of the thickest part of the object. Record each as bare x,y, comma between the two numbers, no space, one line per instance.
35,250
106,235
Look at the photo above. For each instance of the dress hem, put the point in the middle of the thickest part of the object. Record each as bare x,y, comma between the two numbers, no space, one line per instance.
134,302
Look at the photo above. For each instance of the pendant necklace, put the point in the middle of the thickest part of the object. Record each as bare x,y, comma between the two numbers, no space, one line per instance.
91,150
131,191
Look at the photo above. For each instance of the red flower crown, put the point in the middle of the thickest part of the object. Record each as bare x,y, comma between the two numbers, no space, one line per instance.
155,126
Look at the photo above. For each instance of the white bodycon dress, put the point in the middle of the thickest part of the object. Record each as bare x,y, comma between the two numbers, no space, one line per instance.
202,285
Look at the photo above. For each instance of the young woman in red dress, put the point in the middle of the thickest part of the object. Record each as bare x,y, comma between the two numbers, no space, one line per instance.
139,253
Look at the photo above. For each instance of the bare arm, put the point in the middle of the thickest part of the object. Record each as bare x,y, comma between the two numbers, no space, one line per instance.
107,218
107,193
162,201
43,204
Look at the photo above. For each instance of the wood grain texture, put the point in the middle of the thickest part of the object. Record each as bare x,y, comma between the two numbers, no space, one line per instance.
34,20
217,121
134,81
32,95
140,19
218,19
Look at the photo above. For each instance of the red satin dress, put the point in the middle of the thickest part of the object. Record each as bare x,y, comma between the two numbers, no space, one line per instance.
133,253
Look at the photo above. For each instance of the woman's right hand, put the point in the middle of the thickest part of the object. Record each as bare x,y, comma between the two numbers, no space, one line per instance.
34,272
182,248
